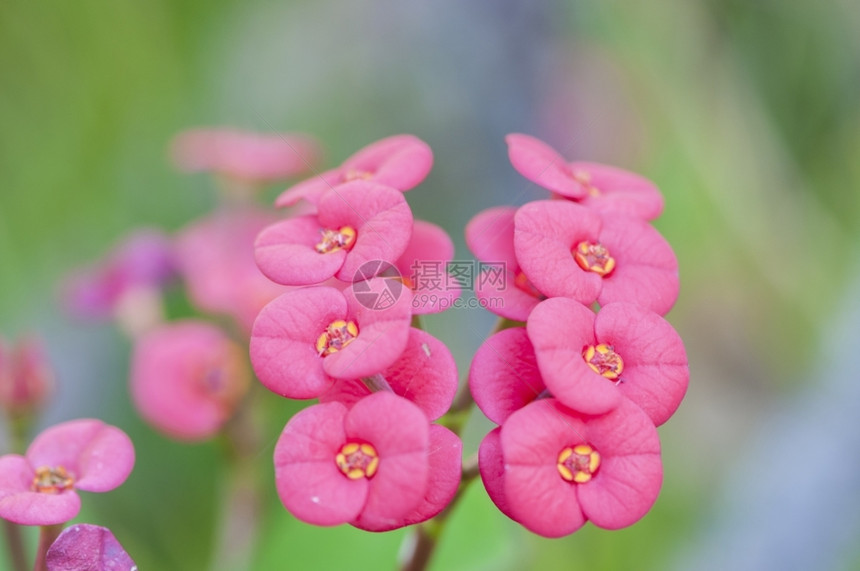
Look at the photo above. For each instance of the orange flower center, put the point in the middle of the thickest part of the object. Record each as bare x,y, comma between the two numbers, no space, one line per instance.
524,284
594,257
578,463
52,480
357,460
336,336
356,174
584,178
334,240
603,360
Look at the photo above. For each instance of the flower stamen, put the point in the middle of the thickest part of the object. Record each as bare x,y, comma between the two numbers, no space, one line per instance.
357,460
594,257
336,336
52,480
603,360
333,240
578,463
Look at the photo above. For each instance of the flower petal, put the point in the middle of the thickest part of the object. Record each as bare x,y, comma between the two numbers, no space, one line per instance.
285,252
620,191
20,505
542,165
399,161
88,547
491,464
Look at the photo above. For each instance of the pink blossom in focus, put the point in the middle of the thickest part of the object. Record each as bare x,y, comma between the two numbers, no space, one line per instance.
360,222
490,237
244,155
561,468
26,376
187,377
504,375
607,189
425,373
307,337
644,357
399,161
366,464
632,261
424,266
40,488
215,256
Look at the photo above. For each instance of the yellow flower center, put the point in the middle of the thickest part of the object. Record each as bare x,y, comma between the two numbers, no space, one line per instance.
594,257
578,463
333,240
52,480
603,360
336,336
357,460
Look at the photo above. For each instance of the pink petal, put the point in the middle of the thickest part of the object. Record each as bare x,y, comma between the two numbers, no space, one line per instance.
381,217
490,236
538,432
24,507
656,372
86,547
99,456
424,262
382,333
399,161
311,189
507,301
646,271
559,329
620,191
283,341
491,463
186,378
309,483
542,501
542,165
285,252
504,375
545,233
391,423
243,154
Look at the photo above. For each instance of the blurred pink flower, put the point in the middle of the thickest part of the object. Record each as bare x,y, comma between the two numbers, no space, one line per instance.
567,250
215,256
39,488
551,468
26,376
504,375
361,222
589,361
605,188
423,268
399,161
306,337
368,464
85,547
425,373
490,237
245,155
187,377
142,261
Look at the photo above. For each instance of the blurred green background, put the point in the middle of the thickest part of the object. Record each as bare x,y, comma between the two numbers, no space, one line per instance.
744,112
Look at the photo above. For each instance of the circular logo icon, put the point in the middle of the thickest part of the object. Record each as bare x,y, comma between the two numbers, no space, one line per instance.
377,294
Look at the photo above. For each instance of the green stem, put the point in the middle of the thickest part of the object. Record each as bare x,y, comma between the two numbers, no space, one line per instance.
47,535
15,545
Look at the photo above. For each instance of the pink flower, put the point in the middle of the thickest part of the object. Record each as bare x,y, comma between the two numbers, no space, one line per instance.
589,362
490,237
215,256
400,161
607,189
366,465
85,547
26,376
187,377
39,488
567,250
141,261
444,466
504,376
423,268
425,373
243,154
305,337
559,468
360,222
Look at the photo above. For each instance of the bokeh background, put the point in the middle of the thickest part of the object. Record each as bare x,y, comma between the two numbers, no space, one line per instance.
745,113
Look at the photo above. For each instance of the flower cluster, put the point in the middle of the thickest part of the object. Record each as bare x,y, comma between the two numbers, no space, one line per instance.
367,454
588,367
